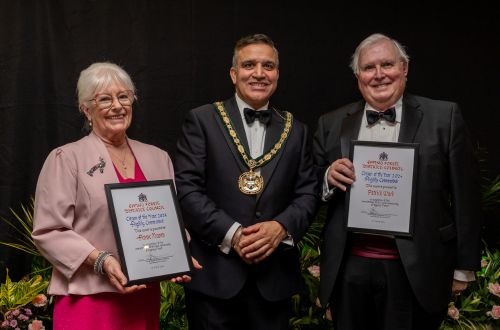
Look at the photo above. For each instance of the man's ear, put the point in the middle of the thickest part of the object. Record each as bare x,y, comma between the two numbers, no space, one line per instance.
233,73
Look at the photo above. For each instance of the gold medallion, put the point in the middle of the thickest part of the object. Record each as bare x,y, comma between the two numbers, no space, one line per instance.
250,183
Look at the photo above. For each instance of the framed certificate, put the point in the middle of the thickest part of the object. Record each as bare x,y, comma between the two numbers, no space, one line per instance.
381,200
149,231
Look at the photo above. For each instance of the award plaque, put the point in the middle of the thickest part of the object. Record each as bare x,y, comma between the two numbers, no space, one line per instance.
381,200
149,231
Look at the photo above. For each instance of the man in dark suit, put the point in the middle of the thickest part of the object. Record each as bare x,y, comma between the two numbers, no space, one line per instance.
246,186
384,281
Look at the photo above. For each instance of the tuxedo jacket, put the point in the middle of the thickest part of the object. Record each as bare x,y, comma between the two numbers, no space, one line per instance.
208,166
71,216
446,220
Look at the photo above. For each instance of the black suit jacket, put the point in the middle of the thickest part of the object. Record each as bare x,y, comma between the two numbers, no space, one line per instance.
207,168
446,221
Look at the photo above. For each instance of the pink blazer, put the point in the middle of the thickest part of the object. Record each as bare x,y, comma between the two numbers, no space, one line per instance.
71,216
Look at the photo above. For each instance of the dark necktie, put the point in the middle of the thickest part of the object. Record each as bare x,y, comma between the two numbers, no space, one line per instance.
373,116
264,116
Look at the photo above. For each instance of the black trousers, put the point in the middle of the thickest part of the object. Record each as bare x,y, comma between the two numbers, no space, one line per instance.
375,294
248,310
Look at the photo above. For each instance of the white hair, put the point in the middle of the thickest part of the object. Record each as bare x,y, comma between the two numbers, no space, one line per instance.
99,76
374,38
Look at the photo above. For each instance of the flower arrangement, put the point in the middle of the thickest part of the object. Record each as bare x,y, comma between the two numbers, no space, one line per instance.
23,304
479,306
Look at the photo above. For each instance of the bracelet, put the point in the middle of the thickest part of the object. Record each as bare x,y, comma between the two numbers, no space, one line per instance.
99,261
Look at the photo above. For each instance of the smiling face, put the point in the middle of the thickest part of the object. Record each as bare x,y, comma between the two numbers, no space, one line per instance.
256,74
111,123
382,74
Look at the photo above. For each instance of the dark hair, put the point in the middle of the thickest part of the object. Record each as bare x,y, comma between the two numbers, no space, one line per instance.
252,40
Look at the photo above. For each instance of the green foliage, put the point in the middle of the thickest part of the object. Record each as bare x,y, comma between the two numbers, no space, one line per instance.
23,226
173,307
491,194
17,294
307,312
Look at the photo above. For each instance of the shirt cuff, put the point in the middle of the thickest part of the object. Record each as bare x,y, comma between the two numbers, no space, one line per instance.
464,275
225,246
327,192
288,240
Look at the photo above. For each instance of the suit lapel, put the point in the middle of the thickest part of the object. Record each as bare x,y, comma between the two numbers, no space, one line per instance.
273,133
234,114
410,119
350,128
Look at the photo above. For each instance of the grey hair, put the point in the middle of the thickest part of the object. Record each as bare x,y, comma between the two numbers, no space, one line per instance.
99,76
254,39
374,38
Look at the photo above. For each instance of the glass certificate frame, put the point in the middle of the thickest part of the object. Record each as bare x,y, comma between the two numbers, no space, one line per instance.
149,231
382,199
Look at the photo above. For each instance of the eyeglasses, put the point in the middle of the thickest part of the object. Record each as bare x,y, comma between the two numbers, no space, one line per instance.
105,101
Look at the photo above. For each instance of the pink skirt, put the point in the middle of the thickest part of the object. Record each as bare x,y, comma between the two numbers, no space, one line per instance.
108,310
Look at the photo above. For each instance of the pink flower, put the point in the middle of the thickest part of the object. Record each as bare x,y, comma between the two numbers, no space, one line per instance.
16,312
314,270
453,312
5,324
8,315
28,312
13,323
23,317
39,301
484,263
494,289
495,312
36,325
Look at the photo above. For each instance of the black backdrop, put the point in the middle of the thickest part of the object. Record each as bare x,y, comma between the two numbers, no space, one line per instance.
179,53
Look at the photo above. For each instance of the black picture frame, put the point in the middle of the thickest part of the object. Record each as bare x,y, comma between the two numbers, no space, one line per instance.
149,222
384,149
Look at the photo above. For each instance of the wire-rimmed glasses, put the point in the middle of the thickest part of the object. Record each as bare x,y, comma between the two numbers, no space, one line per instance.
105,101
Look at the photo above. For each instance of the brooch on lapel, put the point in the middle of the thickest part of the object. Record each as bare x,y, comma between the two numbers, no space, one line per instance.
99,166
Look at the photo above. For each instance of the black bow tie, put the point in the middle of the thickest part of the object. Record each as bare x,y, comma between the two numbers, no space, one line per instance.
373,116
264,116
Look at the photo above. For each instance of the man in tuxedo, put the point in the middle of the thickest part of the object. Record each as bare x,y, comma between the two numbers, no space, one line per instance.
386,281
247,189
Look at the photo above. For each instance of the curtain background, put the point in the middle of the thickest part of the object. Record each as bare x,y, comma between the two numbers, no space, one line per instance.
179,53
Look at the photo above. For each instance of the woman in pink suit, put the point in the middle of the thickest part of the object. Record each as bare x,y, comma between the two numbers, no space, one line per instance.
72,227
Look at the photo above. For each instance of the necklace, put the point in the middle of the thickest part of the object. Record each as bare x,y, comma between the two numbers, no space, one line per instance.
250,182
122,159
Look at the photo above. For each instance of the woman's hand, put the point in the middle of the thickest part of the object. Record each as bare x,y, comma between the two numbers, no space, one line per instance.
115,275
113,271
186,278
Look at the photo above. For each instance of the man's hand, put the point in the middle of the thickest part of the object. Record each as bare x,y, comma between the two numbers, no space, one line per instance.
186,278
341,173
260,240
235,243
458,286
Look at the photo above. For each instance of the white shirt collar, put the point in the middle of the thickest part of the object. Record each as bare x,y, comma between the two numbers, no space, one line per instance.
242,104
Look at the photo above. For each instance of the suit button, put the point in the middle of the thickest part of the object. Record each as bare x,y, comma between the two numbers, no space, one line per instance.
258,214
